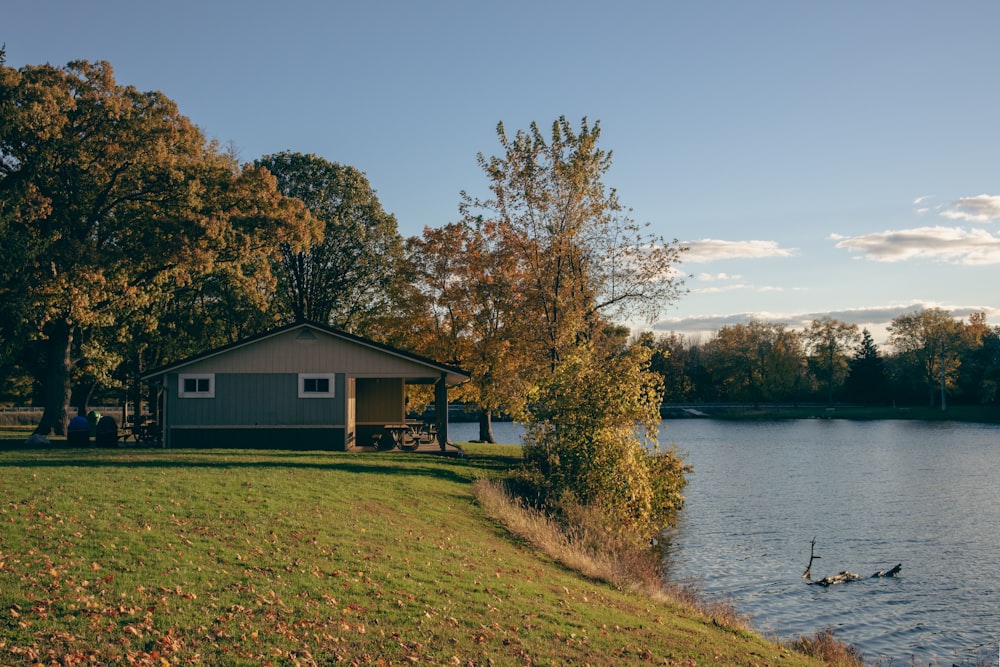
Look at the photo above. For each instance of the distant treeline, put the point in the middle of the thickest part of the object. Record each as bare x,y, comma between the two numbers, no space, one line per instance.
933,359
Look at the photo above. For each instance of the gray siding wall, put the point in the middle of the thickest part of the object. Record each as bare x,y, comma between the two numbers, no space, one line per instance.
256,399
330,439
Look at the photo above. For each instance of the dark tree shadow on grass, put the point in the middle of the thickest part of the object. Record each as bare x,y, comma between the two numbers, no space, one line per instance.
454,470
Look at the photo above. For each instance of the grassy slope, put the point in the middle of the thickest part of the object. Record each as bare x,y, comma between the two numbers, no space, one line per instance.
238,557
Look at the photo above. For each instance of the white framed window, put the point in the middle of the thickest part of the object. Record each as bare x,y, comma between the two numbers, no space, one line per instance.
196,385
316,385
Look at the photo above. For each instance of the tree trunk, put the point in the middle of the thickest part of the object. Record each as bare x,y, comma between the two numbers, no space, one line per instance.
486,426
944,399
58,364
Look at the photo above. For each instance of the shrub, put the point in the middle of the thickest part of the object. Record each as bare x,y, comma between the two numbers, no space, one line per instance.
590,445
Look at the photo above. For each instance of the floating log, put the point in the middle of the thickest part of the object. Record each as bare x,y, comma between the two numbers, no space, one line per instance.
888,573
841,578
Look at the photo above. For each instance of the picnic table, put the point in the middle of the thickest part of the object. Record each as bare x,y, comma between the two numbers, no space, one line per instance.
410,434
145,433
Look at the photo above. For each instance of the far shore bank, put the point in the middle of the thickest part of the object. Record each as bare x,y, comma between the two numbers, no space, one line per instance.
987,414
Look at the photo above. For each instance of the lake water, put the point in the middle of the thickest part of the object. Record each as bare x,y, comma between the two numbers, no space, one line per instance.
873,494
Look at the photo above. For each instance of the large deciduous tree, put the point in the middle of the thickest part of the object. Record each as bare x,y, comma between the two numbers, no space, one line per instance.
585,260
930,341
581,265
471,283
672,361
980,370
755,361
829,342
109,198
344,279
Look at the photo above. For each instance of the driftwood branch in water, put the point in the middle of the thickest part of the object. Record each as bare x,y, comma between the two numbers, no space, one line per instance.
842,577
846,576
888,573
812,556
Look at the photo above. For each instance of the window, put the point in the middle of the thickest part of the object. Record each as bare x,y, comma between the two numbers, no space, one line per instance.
316,385
196,386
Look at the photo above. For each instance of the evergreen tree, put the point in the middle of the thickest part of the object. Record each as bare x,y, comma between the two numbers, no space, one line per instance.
867,382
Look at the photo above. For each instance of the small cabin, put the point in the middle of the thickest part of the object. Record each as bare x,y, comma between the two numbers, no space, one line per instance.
301,386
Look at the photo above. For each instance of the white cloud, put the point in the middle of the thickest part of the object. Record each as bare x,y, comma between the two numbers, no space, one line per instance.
952,245
981,208
710,250
719,289
721,283
920,200
712,277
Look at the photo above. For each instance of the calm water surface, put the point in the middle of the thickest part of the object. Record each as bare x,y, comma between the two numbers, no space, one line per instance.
873,494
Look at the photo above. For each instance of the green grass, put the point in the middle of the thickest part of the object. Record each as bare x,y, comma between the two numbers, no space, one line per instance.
151,556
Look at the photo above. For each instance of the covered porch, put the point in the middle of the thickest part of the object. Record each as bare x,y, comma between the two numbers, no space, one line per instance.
378,409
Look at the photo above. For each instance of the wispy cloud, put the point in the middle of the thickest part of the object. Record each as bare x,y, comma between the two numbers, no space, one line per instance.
875,318
711,277
721,283
711,250
922,204
734,287
981,208
952,245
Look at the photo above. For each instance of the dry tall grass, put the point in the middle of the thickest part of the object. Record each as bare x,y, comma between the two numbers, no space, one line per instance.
594,553
826,647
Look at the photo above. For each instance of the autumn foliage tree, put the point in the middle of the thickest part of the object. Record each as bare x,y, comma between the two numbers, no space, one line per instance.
672,360
585,260
930,340
829,342
109,199
574,264
757,361
471,283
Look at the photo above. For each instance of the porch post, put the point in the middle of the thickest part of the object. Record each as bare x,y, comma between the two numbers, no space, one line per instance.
441,410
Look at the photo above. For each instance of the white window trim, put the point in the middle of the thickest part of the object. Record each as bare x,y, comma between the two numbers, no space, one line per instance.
316,376
196,394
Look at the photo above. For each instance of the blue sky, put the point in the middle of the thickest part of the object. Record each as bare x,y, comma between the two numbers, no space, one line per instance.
819,158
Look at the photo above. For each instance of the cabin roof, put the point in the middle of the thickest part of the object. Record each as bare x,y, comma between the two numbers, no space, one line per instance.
453,374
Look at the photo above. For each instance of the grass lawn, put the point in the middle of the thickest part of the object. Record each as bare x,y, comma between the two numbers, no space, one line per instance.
151,556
